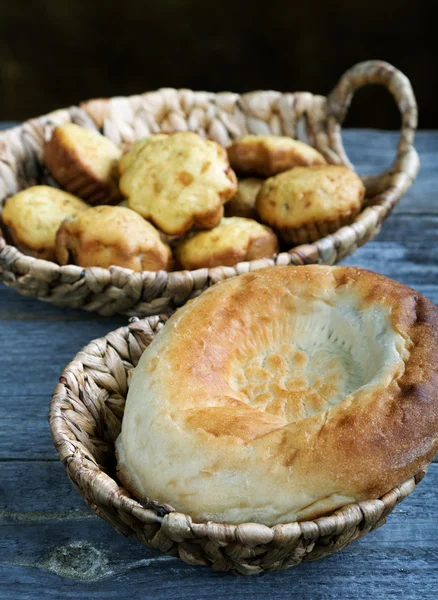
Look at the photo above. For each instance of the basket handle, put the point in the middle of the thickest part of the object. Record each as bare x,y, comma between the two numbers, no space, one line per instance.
338,101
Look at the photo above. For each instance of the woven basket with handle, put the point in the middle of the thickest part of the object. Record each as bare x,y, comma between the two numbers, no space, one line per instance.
85,419
223,117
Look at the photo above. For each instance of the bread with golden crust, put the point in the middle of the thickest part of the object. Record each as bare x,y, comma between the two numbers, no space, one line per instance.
85,163
235,239
282,395
242,204
268,155
179,182
135,149
112,235
307,203
32,218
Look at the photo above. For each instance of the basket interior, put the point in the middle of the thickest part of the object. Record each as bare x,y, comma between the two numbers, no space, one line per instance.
220,117
223,117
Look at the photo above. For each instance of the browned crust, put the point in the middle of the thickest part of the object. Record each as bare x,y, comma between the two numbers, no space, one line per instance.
318,229
67,167
208,220
13,235
202,219
75,246
264,245
364,449
242,204
226,258
271,196
228,194
259,160
205,220
397,436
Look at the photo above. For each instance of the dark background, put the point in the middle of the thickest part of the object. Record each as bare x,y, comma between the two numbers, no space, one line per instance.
55,53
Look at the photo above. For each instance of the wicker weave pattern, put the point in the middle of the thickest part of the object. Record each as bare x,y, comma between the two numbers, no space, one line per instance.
224,117
85,419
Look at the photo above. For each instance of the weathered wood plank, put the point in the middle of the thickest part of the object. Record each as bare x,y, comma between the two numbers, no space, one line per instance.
372,151
50,540
24,429
34,352
353,574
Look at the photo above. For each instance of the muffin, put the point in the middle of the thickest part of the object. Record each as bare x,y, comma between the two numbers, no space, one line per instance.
32,218
112,235
132,154
84,163
243,203
180,182
234,240
307,203
267,155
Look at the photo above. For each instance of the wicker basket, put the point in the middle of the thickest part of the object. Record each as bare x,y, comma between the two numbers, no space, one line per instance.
85,418
223,117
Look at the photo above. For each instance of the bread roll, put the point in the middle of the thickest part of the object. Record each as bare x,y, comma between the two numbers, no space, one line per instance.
308,203
178,182
85,163
282,395
33,216
234,240
242,204
104,236
267,155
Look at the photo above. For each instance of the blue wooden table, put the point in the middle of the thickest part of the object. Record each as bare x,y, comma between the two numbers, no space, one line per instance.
52,547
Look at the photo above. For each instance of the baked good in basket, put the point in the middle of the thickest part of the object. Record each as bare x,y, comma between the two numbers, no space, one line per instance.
267,155
32,218
135,149
305,204
84,162
111,235
223,117
282,395
179,182
242,204
235,239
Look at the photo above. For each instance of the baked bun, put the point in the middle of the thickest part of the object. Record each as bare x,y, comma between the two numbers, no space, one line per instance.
32,218
235,239
267,155
133,152
308,203
111,235
179,182
242,204
282,395
84,163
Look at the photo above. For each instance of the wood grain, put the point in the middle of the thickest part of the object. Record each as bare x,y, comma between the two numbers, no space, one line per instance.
44,535
52,547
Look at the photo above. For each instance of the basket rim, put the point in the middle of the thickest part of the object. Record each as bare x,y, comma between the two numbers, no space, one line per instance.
104,490
385,189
